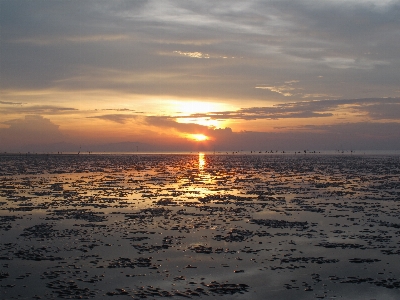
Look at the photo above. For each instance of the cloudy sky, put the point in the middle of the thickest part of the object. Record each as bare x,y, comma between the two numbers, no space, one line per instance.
189,75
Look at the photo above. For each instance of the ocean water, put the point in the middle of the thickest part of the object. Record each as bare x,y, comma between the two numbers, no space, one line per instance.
199,225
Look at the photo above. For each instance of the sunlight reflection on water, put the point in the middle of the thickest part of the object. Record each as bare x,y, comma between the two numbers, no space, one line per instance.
202,161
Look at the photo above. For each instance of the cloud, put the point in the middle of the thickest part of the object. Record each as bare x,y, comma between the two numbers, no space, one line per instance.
11,103
277,40
168,122
117,118
283,89
374,108
257,113
344,136
193,54
203,55
38,109
352,63
292,89
119,109
56,40
389,109
361,135
31,130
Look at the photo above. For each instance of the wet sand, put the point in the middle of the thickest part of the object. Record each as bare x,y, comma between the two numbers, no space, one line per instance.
199,226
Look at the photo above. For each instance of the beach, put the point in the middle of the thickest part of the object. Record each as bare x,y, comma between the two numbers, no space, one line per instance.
234,226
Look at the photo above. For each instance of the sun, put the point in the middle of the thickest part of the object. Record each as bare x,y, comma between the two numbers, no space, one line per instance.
199,137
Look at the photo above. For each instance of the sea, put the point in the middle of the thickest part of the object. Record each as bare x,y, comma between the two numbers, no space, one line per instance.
200,225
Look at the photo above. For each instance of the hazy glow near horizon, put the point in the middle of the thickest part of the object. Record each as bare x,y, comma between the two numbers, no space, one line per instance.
190,107
199,137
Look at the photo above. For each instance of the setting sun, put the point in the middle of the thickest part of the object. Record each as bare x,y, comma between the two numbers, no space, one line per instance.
199,137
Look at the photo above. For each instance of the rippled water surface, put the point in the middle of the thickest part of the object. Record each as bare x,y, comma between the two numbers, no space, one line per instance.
199,226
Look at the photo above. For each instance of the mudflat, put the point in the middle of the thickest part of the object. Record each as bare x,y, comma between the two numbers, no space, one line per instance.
199,226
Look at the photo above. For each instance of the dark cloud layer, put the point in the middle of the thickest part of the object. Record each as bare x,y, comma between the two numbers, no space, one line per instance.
117,118
346,136
37,109
31,130
375,108
339,48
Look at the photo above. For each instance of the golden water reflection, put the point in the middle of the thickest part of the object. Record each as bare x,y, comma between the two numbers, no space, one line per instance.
202,161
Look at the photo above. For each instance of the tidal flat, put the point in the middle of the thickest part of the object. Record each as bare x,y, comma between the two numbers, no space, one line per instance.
276,226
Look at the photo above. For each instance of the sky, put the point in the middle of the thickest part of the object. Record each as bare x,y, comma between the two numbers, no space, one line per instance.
182,75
